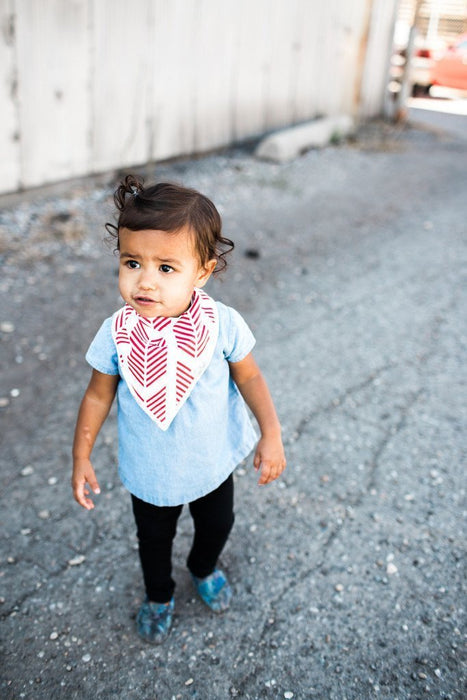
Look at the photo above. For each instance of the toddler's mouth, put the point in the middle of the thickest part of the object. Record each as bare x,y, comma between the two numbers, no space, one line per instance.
144,300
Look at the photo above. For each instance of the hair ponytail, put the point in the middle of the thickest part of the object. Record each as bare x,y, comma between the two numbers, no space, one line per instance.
131,185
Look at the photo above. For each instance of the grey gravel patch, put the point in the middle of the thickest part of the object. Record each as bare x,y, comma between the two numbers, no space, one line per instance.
348,573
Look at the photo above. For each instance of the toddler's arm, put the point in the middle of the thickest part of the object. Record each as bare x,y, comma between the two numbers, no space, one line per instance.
269,455
93,411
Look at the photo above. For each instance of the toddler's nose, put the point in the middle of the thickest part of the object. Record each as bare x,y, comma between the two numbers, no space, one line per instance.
147,281
147,286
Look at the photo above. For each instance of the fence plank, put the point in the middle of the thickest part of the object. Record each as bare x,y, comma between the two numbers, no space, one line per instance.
280,70
351,39
251,66
52,89
216,35
174,61
9,131
374,83
121,35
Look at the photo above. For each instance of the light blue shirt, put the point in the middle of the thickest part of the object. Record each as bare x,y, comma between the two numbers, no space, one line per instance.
206,440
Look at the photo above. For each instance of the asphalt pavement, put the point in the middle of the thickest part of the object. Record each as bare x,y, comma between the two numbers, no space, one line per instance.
349,572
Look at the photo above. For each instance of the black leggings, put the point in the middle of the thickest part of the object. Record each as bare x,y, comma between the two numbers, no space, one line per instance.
213,519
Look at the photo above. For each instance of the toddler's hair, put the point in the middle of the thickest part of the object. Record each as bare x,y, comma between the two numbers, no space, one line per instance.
169,207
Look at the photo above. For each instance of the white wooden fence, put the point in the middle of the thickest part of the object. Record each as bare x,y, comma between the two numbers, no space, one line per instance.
92,85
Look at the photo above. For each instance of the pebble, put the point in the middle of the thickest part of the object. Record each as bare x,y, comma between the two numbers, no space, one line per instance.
288,695
4,402
7,327
339,587
86,658
27,471
44,514
189,681
391,569
54,635
52,481
76,561
14,393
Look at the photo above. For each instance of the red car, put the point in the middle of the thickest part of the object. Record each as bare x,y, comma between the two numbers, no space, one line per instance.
450,69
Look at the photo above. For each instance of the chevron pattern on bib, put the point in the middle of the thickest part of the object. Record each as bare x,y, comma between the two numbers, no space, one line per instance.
161,359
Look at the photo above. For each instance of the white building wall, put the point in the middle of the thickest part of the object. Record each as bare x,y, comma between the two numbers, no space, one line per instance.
92,85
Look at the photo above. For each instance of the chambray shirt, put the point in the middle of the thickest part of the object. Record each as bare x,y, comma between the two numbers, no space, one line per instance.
208,437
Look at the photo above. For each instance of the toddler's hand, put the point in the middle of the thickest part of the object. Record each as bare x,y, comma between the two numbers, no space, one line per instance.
84,476
270,458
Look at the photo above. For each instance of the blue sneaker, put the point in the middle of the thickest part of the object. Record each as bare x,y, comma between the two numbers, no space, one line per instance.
154,621
214,590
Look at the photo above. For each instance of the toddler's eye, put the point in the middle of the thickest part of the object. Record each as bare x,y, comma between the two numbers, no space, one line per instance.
132,264
166,268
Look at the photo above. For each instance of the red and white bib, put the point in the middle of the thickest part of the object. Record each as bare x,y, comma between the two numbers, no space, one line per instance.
161,359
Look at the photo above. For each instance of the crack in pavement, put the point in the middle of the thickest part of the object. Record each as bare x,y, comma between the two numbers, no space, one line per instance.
336,402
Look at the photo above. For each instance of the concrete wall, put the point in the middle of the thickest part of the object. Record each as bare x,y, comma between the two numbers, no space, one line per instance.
92,85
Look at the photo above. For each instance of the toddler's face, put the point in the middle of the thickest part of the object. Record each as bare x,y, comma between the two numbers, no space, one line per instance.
159,270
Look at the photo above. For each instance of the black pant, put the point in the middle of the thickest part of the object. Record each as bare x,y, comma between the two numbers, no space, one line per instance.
213,519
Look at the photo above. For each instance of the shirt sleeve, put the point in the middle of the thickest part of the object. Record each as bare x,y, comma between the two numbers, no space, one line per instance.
240,339
102,353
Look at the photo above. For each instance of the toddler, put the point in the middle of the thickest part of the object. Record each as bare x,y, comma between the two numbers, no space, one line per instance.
182,368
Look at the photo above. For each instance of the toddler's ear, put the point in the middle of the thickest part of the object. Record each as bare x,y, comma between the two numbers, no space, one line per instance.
205,272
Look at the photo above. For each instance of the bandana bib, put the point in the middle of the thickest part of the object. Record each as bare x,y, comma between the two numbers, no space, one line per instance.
161,359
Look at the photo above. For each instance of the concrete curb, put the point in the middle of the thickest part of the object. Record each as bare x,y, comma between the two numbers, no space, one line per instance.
287,144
